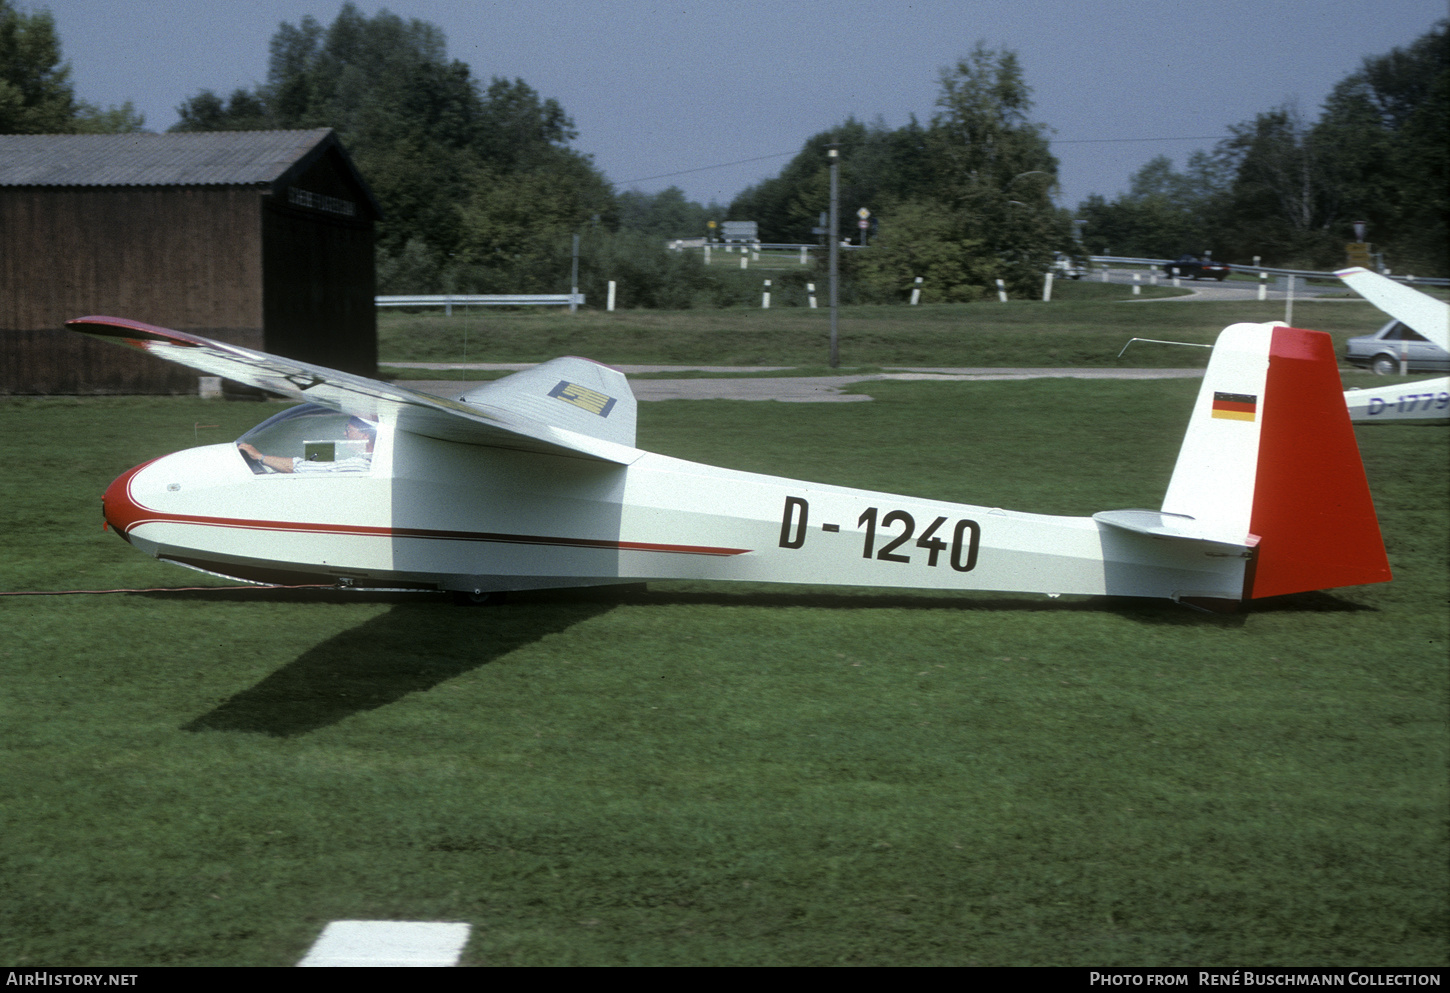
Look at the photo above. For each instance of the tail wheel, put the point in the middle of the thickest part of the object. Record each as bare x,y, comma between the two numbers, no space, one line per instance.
468,598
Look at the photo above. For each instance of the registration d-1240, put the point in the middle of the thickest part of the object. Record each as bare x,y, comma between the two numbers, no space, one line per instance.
885,536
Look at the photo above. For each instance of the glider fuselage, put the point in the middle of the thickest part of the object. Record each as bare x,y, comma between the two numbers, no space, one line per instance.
441,515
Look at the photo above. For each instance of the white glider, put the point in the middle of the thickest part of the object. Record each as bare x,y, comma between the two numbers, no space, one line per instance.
534,481
1424,399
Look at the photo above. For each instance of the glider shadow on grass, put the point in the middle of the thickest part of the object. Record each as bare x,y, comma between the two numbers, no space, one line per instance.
410,649
419,645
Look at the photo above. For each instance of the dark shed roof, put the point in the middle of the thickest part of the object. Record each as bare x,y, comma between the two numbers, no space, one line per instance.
205,158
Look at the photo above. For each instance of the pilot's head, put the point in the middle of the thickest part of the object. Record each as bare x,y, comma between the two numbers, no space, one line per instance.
360,430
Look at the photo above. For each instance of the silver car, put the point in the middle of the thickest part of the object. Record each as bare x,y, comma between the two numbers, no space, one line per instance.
1382,351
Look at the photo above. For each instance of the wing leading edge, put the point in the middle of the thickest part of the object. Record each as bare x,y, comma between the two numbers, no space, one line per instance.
567,406
1424,313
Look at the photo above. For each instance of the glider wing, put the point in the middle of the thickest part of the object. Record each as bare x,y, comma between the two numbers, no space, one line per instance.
1405,304
567,406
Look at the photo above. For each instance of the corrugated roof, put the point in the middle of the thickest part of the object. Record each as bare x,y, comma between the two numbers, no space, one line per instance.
210,158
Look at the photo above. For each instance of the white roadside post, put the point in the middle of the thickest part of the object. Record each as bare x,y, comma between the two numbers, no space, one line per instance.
916,293
744,259
765,297
1263,285
1289,304
803,255
611,296
574,280
1001,291
1047,287
811,294
1138,284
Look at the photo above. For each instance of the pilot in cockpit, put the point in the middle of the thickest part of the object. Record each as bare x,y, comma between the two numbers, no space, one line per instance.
353,454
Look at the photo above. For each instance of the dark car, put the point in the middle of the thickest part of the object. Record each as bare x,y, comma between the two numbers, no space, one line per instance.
1191,267
1382,350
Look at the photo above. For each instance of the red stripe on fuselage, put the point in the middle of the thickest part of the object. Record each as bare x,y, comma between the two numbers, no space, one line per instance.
124,513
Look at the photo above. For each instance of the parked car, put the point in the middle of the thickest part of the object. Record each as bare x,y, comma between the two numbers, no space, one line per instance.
1381,351
1191,267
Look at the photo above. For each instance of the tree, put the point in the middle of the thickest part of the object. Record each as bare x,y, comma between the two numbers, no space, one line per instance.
1277,206
517,227
1289,190
924,241
877,166
36,96
665,215
442,154
1385,132
242,111
981,167
981,131
995,168
1164,214
35,88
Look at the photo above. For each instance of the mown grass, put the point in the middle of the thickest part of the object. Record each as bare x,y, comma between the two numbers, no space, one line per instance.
710,774
1087,331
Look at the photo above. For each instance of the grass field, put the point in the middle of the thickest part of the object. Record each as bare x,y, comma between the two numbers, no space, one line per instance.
1086,325
710,774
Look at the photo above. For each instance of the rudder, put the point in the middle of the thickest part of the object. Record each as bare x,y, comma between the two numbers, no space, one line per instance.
1313,511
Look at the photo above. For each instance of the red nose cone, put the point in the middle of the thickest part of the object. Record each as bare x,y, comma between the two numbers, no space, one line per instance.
117,506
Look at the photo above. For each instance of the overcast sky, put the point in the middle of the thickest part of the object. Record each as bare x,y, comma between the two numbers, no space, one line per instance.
673,93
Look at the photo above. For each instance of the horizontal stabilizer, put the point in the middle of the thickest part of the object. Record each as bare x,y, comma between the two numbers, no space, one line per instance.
1157,524
511,419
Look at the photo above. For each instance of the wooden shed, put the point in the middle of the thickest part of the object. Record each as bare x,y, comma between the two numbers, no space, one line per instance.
260,238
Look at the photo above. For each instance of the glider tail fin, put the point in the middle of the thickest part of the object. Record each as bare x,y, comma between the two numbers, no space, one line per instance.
1270,460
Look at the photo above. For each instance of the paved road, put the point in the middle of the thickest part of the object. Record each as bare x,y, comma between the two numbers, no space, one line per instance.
1203,290
800,389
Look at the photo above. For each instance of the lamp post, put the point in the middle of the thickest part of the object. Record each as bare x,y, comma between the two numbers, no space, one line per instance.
835,156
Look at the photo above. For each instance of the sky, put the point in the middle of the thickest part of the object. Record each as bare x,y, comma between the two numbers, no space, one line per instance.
713,96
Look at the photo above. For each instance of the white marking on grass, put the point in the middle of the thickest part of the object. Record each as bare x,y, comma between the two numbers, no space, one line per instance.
387,943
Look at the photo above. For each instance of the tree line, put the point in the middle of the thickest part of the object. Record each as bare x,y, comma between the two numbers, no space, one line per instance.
960,201
1290,190
36,95
964,199
483,191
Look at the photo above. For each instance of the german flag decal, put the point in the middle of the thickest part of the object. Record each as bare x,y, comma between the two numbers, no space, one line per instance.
582,396
1235,406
